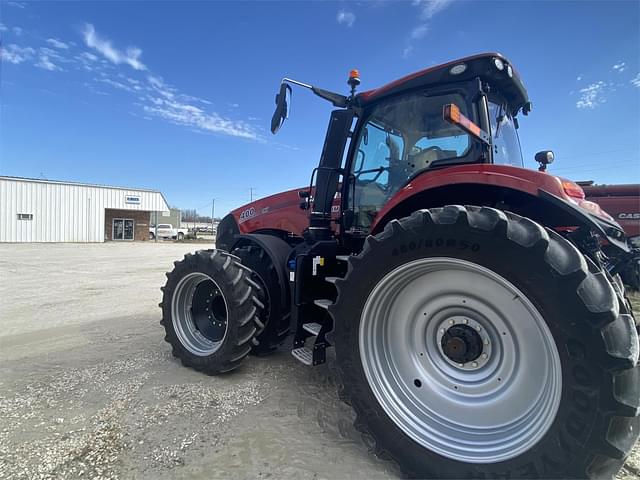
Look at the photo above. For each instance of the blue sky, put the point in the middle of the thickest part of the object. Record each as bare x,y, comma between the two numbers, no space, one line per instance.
178,95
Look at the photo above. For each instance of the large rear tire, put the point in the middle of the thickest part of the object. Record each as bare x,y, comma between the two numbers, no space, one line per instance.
472,342
209,311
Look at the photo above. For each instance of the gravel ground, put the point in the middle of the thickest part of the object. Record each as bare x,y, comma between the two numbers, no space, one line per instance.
88,389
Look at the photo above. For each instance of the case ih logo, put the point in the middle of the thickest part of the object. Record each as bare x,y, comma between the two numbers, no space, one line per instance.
629,216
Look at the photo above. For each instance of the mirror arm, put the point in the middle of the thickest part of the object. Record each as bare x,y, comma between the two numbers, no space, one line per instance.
295,82
336,99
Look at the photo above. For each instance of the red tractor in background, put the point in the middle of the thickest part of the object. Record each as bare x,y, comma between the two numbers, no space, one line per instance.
622,202
479,323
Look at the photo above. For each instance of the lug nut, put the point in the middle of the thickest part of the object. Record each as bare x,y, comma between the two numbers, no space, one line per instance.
474,364
465,321
486,341
478,328
452,321
461,364
484,355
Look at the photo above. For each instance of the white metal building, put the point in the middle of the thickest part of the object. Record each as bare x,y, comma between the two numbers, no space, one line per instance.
33,210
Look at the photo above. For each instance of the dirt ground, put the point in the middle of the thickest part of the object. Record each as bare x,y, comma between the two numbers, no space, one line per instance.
88,388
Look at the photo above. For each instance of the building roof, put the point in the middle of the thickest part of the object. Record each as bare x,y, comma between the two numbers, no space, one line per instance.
63,182
80,184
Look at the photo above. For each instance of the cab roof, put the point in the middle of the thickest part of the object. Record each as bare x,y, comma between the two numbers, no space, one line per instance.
482,65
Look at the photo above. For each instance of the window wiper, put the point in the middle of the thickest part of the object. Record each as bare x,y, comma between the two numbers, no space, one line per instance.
499,119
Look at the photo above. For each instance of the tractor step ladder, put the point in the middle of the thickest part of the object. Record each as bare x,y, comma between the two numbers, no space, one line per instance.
314,354
323,302
303,354
313,328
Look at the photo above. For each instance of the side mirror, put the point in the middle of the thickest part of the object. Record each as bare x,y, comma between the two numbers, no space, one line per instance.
544,158
282,107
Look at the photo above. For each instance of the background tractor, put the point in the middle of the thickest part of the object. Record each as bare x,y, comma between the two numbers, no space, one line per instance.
479,327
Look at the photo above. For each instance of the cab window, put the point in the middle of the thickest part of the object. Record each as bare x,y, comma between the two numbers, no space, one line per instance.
506,144
401,138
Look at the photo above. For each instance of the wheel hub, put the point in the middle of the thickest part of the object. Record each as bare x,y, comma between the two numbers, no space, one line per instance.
464,342
461,344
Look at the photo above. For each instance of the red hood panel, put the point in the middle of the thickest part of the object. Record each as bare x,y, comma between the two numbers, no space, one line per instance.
280,211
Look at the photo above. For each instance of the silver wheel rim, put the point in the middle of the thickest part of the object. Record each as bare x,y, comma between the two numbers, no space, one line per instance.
484,413
184,318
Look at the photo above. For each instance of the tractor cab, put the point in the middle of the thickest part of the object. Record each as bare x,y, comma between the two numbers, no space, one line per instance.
463,112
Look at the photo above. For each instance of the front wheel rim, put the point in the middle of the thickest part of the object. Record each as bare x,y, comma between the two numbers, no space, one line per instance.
490,403
199,314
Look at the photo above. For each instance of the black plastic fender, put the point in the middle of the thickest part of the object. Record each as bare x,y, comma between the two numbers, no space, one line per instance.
278,251
609,230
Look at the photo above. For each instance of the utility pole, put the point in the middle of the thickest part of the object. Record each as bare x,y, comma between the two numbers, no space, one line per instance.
251,190
213,212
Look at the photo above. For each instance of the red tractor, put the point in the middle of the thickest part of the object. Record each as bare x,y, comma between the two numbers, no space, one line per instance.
479,327
622,202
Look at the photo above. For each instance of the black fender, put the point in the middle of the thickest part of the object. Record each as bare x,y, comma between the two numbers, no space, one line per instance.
278,251
606,229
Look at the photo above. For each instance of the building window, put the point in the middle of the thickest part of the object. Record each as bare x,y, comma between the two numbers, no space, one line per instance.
25,216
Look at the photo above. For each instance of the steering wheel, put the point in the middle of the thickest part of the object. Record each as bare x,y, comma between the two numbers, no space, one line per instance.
380,171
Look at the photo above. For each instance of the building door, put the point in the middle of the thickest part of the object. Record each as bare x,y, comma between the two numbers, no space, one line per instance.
122,229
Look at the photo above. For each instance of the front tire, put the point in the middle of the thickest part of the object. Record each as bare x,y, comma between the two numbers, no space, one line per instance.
474,343
209,311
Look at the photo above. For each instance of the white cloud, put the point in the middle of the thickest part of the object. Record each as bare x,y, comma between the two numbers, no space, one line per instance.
592,95
419,31
430,8
54,42
88,61
116,84
17,31
620,67
636,81
344,17
17,4
579,77
169,104
188,115
131,56
45,62
15,54
89,56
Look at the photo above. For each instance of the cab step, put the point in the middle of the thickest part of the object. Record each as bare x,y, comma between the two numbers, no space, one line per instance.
303,354
323,302
313,328
332,279
343,258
